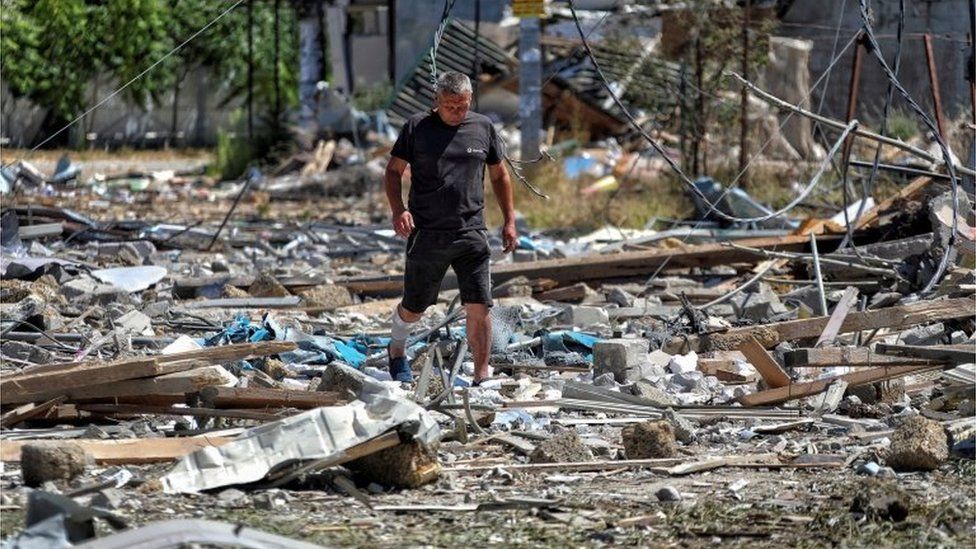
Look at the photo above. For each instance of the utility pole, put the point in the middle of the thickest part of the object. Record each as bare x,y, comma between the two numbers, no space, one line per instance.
530,74
744,103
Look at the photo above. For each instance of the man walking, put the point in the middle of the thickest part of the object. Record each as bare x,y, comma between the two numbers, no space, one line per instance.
447,149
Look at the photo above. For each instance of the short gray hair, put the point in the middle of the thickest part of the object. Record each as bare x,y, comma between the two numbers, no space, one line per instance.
454,83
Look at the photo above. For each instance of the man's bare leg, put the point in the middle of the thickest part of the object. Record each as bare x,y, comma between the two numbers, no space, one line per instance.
398,341
479,337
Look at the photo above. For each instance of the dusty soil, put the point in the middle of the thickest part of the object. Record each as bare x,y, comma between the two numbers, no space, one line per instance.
774,509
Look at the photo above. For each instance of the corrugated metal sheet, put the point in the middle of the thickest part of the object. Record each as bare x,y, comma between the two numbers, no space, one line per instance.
455,53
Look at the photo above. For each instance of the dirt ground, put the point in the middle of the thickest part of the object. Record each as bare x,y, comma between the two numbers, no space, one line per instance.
805,508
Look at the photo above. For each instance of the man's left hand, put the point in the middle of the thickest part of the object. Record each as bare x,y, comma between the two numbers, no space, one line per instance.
509,237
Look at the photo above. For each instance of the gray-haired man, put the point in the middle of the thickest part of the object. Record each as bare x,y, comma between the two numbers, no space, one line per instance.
447,149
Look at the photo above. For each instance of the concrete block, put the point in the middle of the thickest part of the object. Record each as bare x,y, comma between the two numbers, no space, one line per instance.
579,315
684,363
689,382
649,391
759,306
617,356
924,335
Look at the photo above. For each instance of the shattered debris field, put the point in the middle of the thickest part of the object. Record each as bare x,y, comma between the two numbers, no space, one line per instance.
642,392
561,273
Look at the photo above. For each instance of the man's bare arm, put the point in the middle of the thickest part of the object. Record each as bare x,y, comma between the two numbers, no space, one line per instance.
501,183
402,220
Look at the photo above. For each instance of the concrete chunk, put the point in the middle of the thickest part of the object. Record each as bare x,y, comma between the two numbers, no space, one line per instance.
565,446
649,440
579,315
920,444
41,462
619,356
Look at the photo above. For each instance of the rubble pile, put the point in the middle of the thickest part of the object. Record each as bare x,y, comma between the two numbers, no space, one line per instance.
153,369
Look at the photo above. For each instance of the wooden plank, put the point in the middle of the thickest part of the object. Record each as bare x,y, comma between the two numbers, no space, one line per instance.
906,192
603,266
769,335
125,451
27,411
179,383
262,397
139,409
767,367
521,445
848,356
955,354
837,317
573,294
39,384
808,388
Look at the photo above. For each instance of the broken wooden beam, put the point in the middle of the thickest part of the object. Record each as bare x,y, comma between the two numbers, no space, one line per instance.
140,409
809,388
262,397
954,354
848,356
569,294
836,320
126,451
605,266
904,193
179,383
27,411
763,363
769,335
44,382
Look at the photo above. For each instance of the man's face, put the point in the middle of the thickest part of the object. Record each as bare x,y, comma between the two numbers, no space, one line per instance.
453,107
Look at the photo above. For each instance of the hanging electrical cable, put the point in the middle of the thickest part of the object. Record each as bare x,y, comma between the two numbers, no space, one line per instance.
868,187
712,207
946,154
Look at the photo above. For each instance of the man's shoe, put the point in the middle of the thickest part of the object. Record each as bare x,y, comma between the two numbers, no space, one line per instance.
400,369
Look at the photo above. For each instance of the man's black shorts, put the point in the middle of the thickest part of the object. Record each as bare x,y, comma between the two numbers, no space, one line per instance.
430,253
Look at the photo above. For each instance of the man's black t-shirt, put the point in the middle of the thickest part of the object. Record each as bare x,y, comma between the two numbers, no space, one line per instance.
447,169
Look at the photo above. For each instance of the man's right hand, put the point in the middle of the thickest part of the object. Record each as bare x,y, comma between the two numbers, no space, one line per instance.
403,223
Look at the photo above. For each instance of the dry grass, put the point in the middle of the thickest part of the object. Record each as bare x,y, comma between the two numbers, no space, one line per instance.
632,206
52,155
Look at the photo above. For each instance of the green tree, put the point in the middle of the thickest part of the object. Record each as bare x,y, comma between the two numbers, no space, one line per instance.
47,53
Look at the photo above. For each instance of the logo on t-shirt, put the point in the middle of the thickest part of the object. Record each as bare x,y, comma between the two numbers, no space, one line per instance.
472,150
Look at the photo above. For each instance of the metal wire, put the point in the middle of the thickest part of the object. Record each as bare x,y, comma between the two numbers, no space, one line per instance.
947,156
869,185
713,208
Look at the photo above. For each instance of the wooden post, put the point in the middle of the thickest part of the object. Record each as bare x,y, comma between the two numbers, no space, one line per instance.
853,90
934,82
744,102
